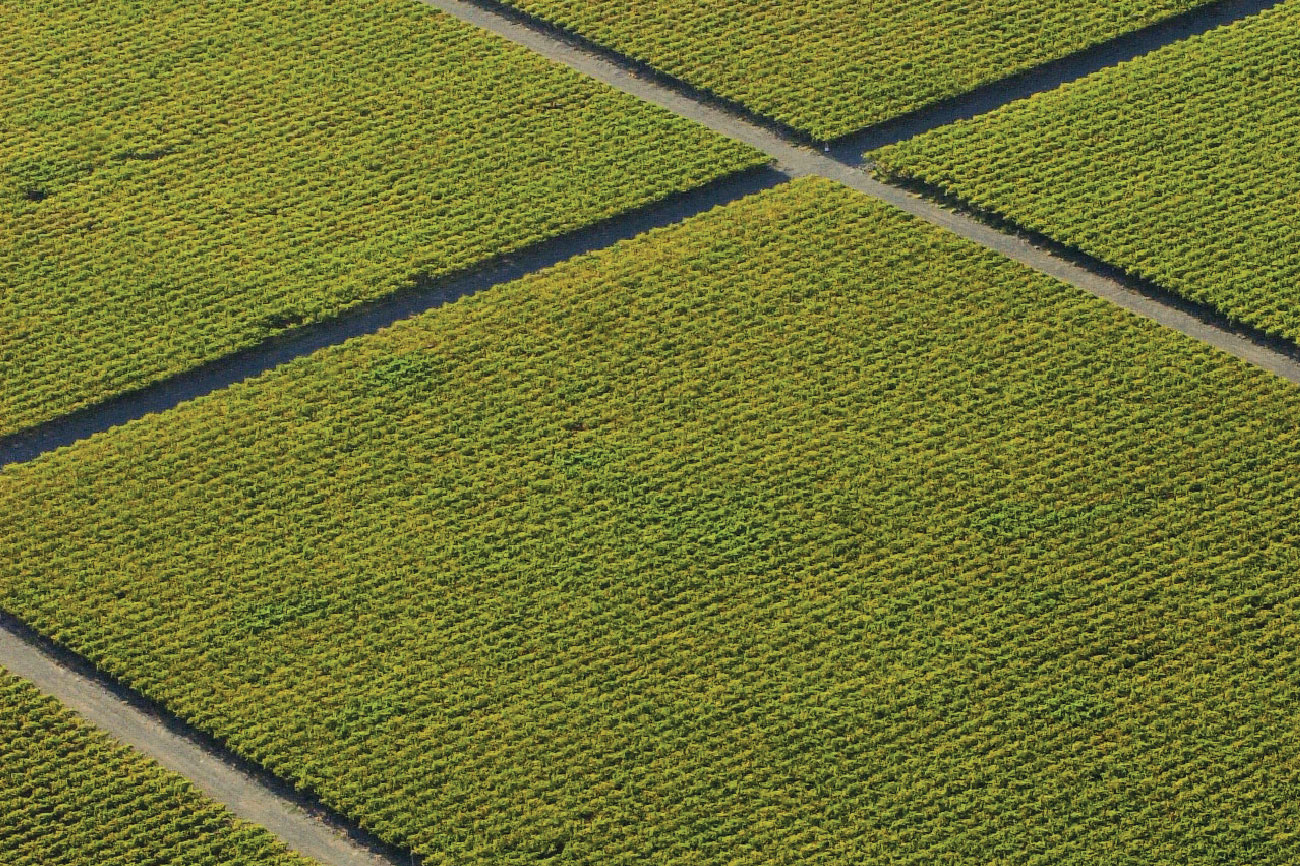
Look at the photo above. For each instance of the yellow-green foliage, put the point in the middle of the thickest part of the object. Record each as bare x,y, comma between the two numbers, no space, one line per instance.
71,796
1180,167
798,533
835,66
181,179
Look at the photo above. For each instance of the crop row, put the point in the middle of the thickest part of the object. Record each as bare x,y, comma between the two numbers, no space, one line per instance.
215,173
801,532
1179,167
833,67
71,796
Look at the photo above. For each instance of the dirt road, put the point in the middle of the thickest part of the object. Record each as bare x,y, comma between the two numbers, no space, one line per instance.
212,773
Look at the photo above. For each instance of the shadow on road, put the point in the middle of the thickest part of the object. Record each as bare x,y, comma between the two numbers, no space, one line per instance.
423,294
1047,76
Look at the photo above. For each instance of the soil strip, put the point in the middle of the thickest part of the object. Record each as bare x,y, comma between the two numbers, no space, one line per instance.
424,294
1045,77
297,819
849,148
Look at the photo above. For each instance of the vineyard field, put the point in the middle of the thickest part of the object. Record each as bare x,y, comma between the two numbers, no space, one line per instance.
216,173
1178,167
72,796
832,68
798,532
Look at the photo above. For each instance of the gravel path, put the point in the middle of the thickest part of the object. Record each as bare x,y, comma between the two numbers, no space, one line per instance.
213,773
797,160
368,318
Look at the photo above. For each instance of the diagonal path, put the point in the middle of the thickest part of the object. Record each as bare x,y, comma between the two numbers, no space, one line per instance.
797,160
249,794
1047,76
368,318
849,148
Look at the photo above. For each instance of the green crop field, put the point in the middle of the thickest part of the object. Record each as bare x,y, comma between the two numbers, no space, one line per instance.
71,796
800,532
1179,167
179,180
834,67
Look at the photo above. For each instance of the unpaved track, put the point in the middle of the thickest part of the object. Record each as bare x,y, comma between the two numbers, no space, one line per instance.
375,315
798,160
850,147
1046,76
209,771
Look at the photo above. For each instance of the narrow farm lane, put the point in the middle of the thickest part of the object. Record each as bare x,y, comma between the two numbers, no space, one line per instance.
374,316
209,771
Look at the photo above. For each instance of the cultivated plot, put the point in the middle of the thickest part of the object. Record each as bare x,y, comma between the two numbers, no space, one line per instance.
834,67
180,180
70,795
801,532
1179,167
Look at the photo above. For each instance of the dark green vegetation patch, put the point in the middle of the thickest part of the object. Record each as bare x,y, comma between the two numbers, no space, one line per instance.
835,66
798,533
179,180
1180,167
71,796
